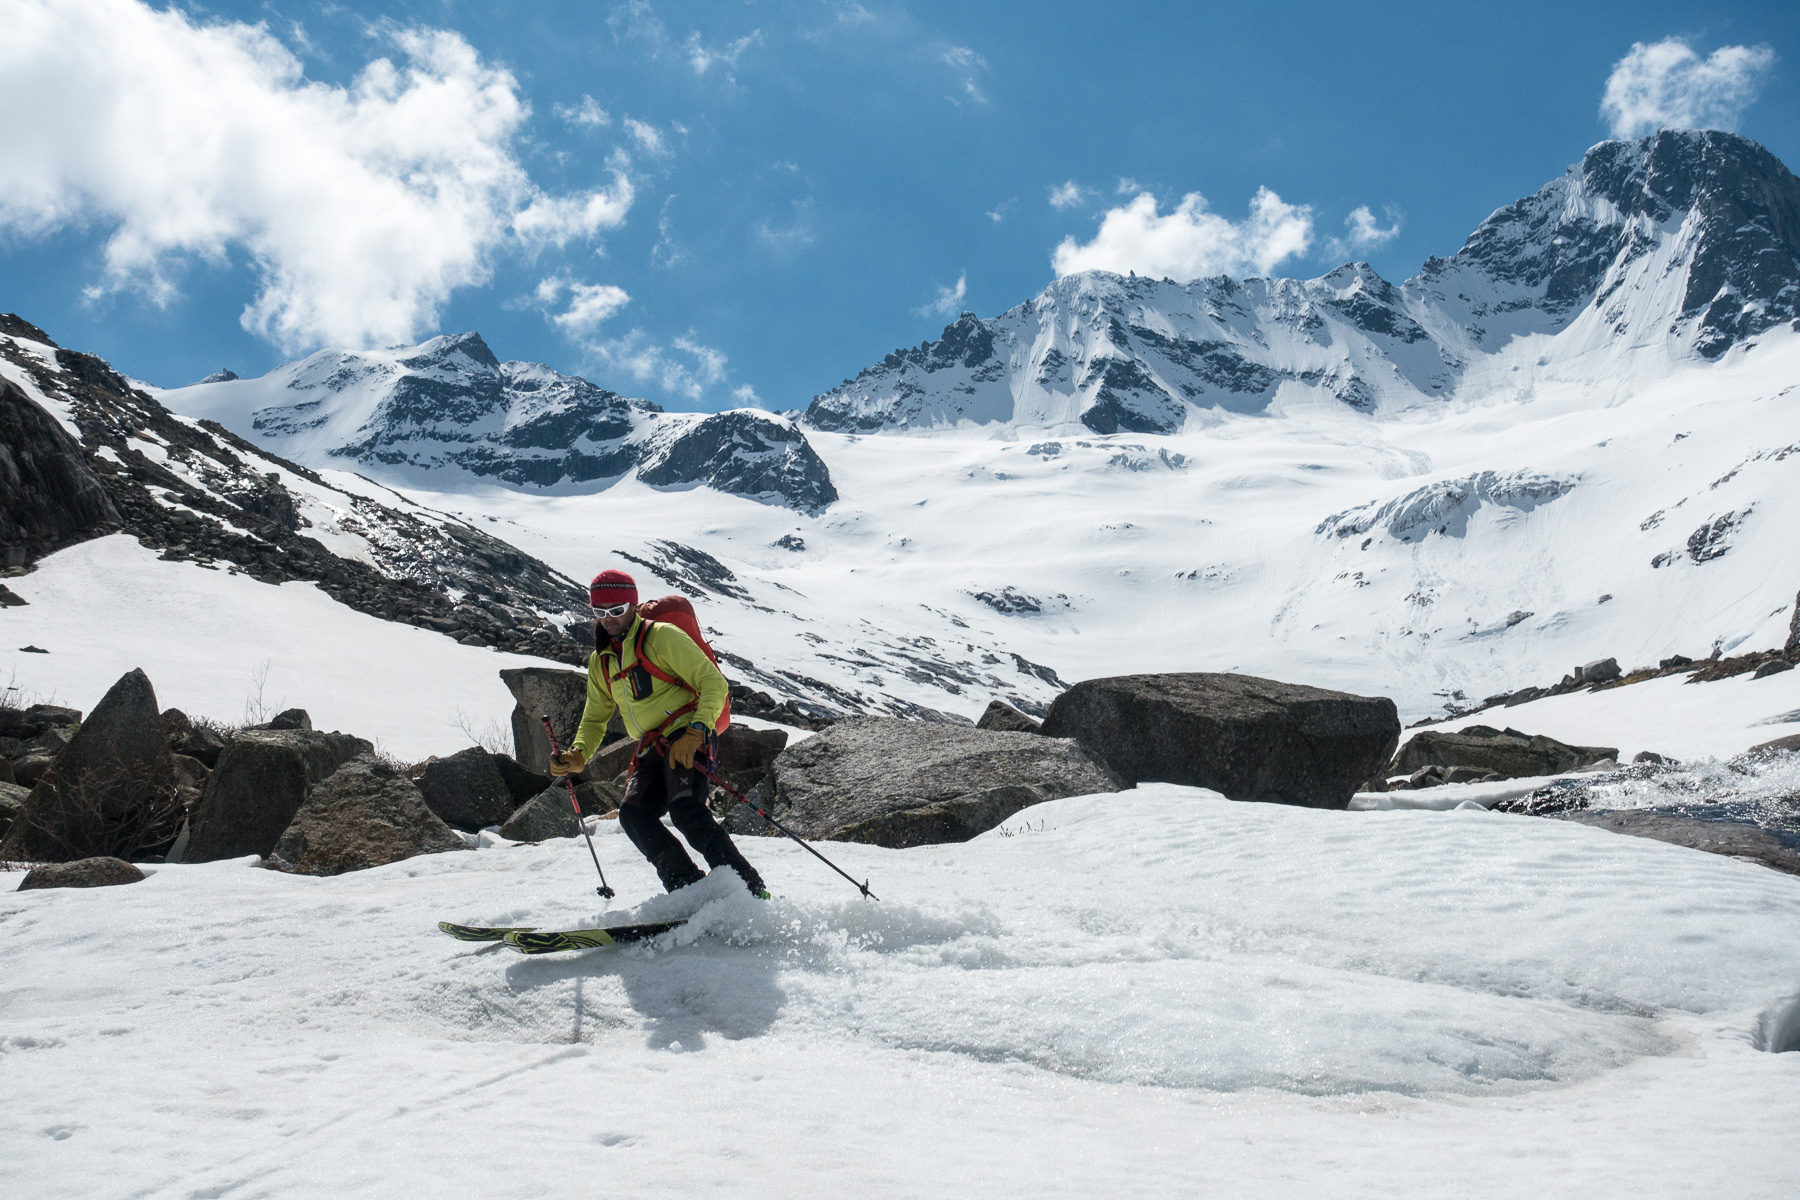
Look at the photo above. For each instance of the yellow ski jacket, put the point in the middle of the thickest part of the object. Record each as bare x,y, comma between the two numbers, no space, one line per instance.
613,685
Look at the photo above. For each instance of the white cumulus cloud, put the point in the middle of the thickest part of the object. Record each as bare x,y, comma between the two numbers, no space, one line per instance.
588,113
685,368
1660,85
648,137
362,207
1363,233
949,299
1190,242
1067,195
590,304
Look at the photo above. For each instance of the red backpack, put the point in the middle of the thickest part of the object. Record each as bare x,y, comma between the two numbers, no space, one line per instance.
679,612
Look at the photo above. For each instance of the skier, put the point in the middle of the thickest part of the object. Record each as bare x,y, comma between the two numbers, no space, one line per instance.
671,697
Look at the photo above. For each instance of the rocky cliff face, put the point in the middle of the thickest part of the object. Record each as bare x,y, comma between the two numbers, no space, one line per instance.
1686,241
83,453
1691,236
448,406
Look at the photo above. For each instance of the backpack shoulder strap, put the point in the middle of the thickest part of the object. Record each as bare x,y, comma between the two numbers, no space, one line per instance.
641,650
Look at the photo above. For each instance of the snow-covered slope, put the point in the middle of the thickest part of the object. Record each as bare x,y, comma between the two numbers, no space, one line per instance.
1471,547
1681,244
449,407
1270,1002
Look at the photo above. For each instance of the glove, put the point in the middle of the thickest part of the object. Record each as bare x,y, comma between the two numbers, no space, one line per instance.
567,762
683,748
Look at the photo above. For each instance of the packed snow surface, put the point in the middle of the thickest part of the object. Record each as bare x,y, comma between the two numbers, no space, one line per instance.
1153,993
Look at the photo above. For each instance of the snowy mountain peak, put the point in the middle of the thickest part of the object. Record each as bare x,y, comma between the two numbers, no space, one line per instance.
1687,238
449,406
1682,243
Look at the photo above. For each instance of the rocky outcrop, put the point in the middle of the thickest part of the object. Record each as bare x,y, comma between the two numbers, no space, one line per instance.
521,784
1514,755
1730,838
110,791
1791,651
196,491
909,783
746,755
1249,738
262,779
546,815
466,790
745,453
82,873
1004,718
12,801
541,691
51,497
365,814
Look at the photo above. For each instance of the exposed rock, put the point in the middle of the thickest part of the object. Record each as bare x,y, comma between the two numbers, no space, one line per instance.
41,716
31,768
1526,695
112,791
1250,738
1781,745
1601,670
1674,662
611,759
231,507
545,815
1774,666
908,783
599,797
53,499
1513,755
746,453
11,599
365,814
202,742
1651,756
1792,648
1004,718
189,771
104,871
293,718
262,779
521,785
745,755
1731,838
12,799
466,790
539,691
747,701
6,771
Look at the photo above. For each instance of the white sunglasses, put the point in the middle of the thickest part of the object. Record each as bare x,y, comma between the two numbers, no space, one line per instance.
617,610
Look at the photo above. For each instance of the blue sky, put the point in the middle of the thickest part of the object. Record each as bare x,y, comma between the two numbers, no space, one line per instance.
709,204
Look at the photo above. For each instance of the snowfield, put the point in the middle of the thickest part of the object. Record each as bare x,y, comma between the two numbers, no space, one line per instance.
227,647
1153,993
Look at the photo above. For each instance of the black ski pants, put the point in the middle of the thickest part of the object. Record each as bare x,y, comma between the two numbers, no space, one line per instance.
658,787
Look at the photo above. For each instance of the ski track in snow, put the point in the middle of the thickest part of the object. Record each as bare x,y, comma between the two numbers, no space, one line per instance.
1153,993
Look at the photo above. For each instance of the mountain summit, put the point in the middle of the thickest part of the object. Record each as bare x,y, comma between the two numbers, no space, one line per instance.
449,406
1685,242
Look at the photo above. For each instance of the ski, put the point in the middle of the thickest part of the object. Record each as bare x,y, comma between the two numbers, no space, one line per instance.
530,941
482,933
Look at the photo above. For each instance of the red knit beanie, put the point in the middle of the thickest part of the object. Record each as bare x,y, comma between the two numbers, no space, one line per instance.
610,588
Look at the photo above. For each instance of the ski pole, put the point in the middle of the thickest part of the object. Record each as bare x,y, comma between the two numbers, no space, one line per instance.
606,893
863,887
